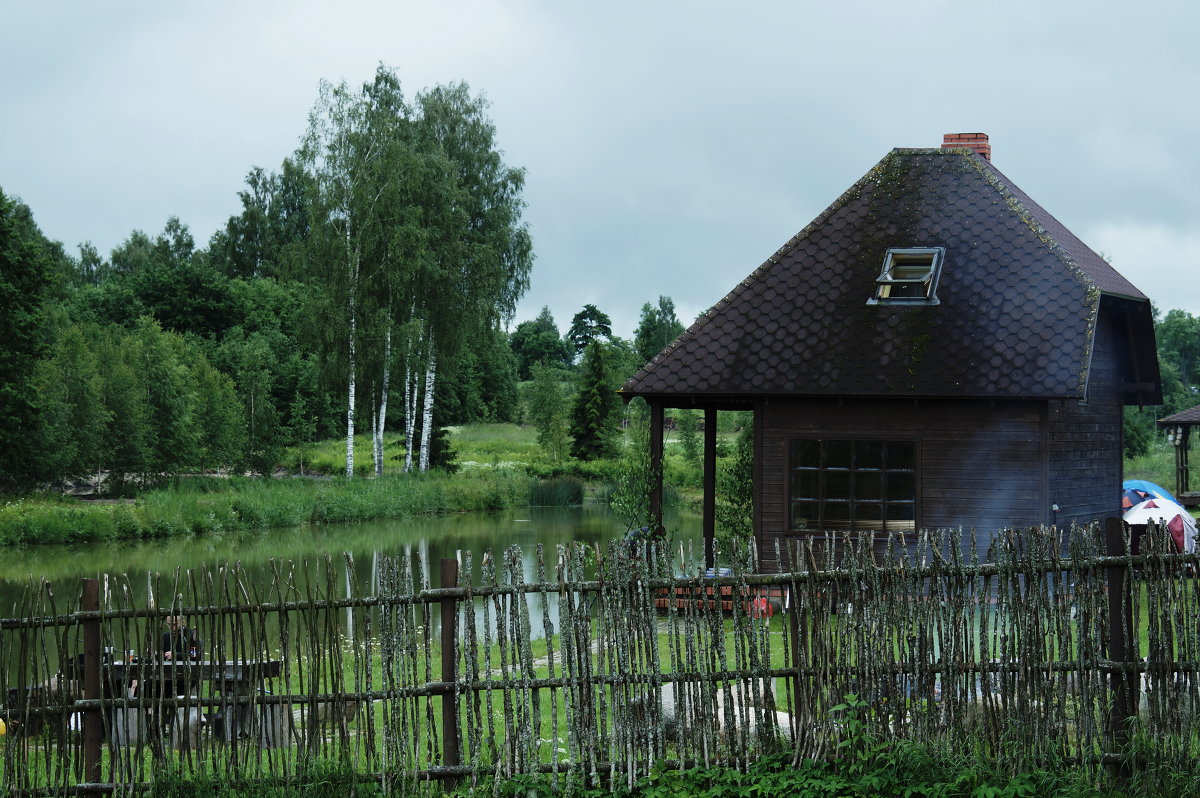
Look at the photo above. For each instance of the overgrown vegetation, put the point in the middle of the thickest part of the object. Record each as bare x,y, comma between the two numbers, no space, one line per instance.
201,505
897,769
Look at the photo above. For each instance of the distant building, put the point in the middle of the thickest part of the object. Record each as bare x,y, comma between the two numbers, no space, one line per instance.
933,350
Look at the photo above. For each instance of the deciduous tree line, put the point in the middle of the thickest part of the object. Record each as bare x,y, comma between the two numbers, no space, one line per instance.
364,286
352,278
584,420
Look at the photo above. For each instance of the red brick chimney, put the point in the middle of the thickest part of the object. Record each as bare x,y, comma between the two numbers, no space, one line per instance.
972,141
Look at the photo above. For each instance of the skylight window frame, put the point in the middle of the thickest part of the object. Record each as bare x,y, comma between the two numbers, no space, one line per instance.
896,257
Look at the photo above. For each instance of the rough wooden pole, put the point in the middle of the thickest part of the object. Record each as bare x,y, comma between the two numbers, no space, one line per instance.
1122,648
656,467
797,626
451,756
710,486
93,721
1185,472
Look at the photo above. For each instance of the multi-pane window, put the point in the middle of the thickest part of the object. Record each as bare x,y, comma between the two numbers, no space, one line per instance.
837,483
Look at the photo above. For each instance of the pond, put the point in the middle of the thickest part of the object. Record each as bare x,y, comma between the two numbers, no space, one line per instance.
428,539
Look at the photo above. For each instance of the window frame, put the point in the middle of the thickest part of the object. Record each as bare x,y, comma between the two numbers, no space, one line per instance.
897,257
852,500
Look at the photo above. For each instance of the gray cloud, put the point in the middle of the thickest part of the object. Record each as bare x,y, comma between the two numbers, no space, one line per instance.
670,147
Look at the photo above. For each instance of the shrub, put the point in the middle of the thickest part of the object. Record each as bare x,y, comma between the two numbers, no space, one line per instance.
557,492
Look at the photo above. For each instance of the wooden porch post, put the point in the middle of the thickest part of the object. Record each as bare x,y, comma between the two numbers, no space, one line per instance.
1182,475
656,467
710,486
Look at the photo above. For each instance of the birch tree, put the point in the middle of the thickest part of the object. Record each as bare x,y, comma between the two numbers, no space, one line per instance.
481,251
357,148
417,234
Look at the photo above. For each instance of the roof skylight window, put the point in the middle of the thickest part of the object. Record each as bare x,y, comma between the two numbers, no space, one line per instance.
909,276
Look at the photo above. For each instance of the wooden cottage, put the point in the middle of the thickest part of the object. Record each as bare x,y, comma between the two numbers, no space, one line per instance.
933,350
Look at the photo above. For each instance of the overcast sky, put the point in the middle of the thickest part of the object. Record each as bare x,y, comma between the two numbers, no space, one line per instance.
670,147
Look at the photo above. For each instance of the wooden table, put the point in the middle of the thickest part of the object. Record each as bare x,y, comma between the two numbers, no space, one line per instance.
236,681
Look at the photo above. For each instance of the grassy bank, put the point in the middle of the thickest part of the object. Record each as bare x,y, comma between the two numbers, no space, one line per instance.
498,466
200,505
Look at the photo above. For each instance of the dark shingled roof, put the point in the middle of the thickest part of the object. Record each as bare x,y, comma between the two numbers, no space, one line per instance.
1019,297
1189,416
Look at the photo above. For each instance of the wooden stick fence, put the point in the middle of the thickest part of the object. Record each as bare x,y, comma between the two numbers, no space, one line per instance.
593,667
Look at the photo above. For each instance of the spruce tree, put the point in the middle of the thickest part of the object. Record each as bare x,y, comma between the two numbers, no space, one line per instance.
596,409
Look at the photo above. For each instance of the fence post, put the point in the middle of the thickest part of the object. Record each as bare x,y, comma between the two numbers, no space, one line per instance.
710,486
798,629
93,721
1122,648
450,730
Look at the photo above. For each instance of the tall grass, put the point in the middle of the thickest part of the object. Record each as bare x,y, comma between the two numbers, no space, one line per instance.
329,457
1157,465
559,492
201,505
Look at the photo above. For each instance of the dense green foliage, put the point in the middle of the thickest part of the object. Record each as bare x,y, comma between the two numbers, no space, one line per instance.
735,487
907,771
538,341
595,412
894,770
1178,338
588,325
548,412
361,289
26,270
657,328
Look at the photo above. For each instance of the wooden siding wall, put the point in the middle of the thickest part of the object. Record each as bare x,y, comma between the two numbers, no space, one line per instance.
980,464
1085,441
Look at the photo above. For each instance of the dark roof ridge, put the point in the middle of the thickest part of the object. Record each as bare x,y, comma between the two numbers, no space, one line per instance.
1061,240
1032,218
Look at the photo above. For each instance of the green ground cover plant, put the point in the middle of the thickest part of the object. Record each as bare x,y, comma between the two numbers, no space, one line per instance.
906,771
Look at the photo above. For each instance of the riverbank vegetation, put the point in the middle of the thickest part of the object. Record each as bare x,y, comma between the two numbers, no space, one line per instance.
201,505
495,467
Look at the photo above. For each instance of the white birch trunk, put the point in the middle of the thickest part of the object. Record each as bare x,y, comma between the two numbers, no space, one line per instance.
381,419
353,303
350,398
427,415
410,413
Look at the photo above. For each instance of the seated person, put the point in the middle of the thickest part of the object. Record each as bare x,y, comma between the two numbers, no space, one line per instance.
180,642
